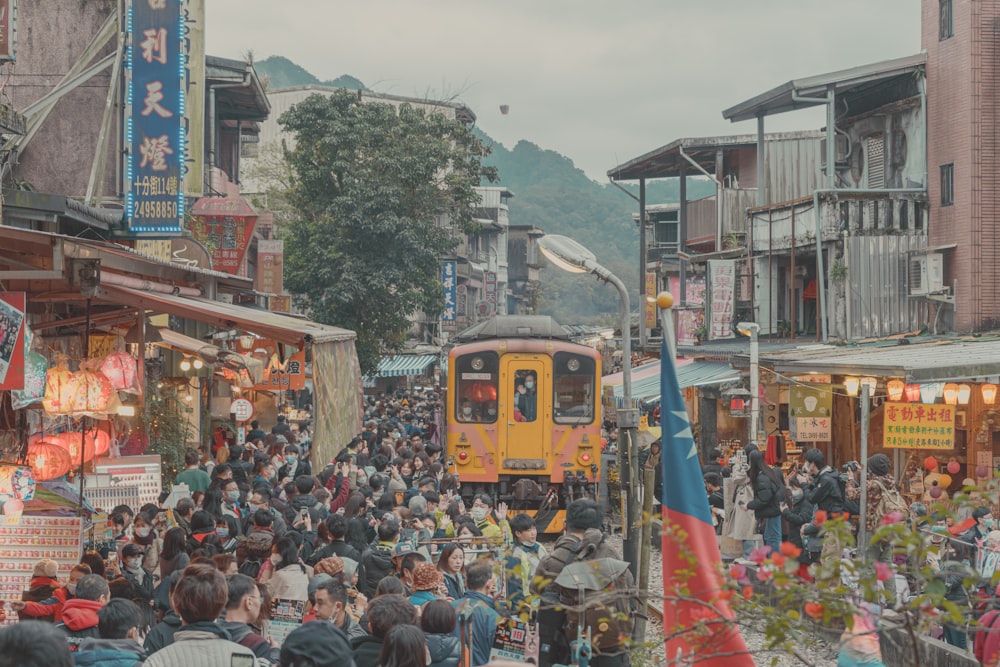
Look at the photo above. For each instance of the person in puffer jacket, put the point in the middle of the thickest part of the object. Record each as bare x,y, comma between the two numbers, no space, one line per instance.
437,620
79,615
118,624
45,597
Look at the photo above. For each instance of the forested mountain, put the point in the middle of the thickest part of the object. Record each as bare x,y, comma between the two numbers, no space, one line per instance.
555,196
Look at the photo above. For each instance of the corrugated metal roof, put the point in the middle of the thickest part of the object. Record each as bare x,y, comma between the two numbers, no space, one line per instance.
400,365
694,374
782,98
952,359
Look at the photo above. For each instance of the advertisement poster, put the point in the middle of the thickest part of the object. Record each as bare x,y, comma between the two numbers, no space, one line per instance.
515,640
650,305
12,340
810,411
286,615
290,375
811,429
449,283
918,426
690,316
224,225
722,298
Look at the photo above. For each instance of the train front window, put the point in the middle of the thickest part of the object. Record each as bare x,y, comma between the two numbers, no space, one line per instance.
525,396
476,382
573,388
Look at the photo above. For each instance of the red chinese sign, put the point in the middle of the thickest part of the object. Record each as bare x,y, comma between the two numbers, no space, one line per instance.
284,376
224,225
918,426
270,265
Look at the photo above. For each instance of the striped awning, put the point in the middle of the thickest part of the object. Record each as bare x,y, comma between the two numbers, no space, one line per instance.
404,364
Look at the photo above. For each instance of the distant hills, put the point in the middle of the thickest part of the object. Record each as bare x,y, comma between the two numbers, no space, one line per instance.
551,193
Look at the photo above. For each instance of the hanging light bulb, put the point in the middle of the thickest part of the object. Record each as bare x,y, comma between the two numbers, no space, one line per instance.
851,385
198,363
185,364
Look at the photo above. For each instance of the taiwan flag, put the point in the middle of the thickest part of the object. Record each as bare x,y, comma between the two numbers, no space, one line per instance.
697,620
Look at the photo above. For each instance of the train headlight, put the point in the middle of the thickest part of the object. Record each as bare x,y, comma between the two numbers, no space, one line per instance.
478,364
573,365
463,457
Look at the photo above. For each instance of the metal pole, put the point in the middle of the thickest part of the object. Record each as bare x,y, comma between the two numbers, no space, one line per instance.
761,194
682,231
648,484
754,383
863,503
643,260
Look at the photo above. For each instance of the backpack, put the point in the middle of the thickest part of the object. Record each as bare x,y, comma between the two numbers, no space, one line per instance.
850,506
596,595
250,567
891,501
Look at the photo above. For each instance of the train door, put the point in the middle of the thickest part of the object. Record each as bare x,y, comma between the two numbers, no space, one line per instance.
526,395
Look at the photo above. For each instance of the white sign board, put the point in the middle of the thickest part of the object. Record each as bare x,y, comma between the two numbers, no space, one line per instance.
242,409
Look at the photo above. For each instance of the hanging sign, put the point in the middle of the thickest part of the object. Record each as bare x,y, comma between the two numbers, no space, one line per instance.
270,265
449,282
650,299
241,409
722,298
224,225
290,375
918,426
12,350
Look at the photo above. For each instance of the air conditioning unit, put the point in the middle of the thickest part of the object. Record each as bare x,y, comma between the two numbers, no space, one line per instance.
840,148
926,274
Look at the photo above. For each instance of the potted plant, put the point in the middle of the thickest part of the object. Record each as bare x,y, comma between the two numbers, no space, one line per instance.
699,333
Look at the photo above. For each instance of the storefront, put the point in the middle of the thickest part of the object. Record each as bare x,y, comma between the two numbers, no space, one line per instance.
933,407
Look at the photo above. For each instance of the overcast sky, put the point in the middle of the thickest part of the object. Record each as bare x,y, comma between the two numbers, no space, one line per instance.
600,82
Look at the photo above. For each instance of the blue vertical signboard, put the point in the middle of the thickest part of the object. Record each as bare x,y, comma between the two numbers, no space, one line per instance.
449,281
154,119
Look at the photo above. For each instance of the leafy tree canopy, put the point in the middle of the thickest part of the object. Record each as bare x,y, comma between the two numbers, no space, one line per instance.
378,196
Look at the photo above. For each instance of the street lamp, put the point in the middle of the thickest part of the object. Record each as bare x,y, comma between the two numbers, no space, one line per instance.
571,256
752,329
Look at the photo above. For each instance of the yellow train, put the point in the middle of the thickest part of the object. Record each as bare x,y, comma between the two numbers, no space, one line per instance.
523,416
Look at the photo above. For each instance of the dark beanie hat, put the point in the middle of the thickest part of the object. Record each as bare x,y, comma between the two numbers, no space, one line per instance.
323,644
879,465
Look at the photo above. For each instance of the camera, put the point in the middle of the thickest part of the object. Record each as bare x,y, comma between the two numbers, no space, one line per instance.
851,466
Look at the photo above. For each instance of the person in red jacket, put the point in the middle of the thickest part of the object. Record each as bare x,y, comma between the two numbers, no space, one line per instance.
44,599
79,616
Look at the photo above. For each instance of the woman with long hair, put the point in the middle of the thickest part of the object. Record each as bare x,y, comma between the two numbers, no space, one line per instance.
174,555
452,566
769,492
404,646
288,580
144,535
355,505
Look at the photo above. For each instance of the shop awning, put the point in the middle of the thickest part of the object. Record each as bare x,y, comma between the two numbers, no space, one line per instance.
264,323
404,364
690,373
212,353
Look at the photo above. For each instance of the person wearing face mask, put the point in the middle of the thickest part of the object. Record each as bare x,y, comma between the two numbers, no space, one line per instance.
145,536
527,401
228,532
798,515
982,523
482,507
231,501
520,565
289,579
294,466
140,578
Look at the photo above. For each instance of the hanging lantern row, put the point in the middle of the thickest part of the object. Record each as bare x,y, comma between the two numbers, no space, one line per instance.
89,390
929,392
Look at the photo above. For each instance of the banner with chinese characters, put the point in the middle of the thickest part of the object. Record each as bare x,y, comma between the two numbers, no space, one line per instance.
194,108
810,409
690,315
650,305
224,225
278,375
722,298
154,119
918,426
270,266
12,340
449,282
810,429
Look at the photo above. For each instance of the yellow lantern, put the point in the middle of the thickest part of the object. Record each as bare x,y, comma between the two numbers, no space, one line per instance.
951,393
964,394
989,393
851,385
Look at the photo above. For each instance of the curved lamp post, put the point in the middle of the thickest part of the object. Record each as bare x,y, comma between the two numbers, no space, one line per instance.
573,257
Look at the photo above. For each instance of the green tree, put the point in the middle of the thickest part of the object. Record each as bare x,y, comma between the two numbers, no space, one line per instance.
378,195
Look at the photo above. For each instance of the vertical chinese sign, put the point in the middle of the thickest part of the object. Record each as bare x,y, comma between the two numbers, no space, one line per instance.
918,426
650,305
810,412
490,285
449,282
155,131
8,30
270,264
194,111
722,298
224,225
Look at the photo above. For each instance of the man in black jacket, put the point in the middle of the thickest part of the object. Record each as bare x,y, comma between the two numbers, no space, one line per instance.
824,491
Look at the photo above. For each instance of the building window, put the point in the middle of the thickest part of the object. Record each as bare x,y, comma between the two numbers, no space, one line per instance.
947,27
947,184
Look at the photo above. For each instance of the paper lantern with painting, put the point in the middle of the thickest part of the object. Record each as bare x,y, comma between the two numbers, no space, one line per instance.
93,392
35,368
71,441
121,370
60,389
48,460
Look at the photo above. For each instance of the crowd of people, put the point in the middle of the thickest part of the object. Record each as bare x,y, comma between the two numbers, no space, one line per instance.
753,502
385,559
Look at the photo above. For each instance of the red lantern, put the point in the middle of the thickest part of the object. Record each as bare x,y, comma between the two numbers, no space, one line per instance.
102,441
120,369
954,467
48,460
71,441
482,392
930,463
